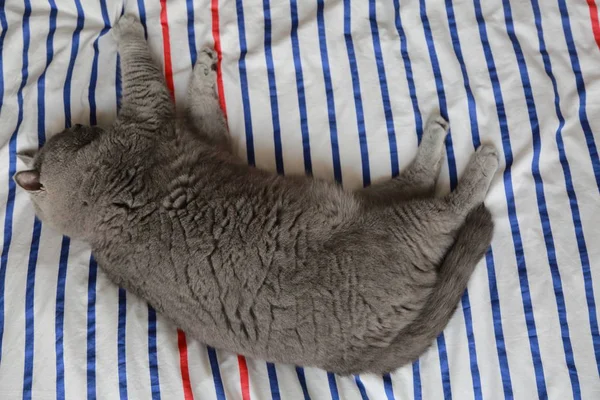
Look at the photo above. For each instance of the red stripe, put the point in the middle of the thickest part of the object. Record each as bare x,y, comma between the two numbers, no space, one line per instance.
214,8
594,18
244,378
183,363
181,340
164,22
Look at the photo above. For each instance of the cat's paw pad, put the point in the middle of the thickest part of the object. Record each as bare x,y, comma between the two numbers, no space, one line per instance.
488,158
128,25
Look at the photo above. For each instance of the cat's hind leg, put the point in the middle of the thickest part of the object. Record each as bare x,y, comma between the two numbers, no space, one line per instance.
419,178
146,99
474,184
203,110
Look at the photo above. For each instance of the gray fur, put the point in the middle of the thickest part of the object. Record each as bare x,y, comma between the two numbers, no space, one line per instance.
285,269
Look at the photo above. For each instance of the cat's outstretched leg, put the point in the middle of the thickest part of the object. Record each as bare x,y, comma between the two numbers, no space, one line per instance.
203,110
419,178
146,99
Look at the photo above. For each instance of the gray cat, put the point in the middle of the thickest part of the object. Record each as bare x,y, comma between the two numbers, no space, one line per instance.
285,269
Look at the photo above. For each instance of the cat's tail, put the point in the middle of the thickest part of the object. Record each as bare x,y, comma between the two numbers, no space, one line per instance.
473,239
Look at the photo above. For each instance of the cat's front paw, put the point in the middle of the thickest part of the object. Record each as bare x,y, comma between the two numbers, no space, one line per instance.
127,25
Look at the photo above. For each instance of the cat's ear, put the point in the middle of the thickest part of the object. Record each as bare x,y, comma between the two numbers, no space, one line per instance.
29,180
26,156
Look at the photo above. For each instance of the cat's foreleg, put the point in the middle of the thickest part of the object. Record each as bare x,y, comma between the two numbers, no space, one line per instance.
146,99
419,178
203,110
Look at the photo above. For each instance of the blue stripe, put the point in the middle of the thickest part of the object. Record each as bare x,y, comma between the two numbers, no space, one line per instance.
475,377
466,304
121,344
29,311
512,213
300,88
93,270
152,323
417,394
335,150
358,105
191,32
272,88
122,319
37,226
91,330
360,117
335,395
71,67
94,74
388,387
419,130
244,84
412,90
459,55
304,129
541,200
498,329
273,384
361,388
59,318
142,11
65,245
580,84
152,355
12,161
302,380
216,373
385,95
41,85
583,254
444,367
4,26
439,83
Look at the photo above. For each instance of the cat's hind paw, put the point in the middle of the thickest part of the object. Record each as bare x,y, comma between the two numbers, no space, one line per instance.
127,25
207,60
488,159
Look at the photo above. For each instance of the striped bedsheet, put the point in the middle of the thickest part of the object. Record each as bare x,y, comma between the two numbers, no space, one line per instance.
338,89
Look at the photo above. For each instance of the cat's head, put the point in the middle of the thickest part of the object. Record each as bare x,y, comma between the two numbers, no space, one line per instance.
58,180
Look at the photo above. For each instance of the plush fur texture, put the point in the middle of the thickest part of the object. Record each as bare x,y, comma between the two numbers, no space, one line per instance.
285,269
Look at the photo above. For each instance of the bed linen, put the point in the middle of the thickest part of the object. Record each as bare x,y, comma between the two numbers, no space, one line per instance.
341,90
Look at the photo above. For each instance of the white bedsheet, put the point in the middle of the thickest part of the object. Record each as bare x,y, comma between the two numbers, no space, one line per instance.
340,88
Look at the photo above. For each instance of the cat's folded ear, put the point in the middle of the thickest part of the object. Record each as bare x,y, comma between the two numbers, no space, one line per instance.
29,180
26,156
